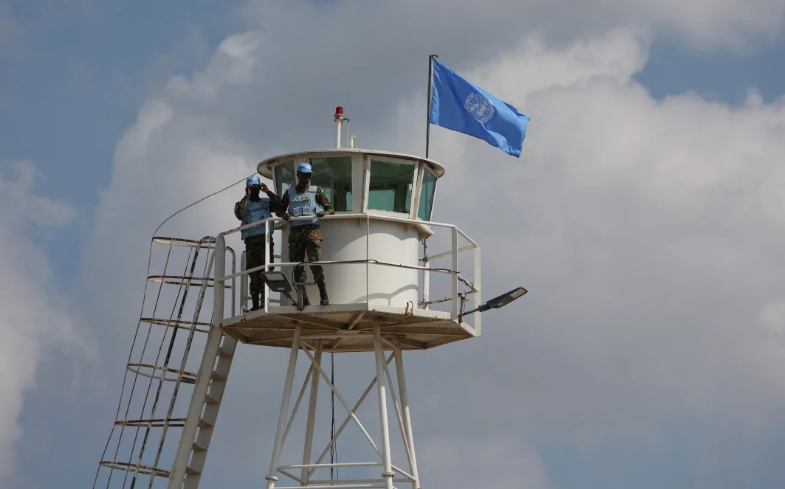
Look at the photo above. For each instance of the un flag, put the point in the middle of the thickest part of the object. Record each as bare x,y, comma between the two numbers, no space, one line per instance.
462,106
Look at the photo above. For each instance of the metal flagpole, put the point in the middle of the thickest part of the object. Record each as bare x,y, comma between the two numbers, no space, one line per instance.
430,95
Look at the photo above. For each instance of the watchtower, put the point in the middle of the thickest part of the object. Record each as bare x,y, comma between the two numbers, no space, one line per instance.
381,253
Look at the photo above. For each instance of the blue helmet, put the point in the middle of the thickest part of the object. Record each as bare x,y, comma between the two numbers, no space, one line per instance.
253,180
304,168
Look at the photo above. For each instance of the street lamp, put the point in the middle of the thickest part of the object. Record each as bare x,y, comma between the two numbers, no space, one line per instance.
498,302
277,282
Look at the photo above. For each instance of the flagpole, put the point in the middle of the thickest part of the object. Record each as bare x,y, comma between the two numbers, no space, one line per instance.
430,95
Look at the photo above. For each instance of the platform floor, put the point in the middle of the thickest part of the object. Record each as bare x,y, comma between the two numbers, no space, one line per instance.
347,327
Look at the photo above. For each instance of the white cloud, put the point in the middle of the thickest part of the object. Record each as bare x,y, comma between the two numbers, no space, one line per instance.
642,228
644,232
179,149
461,27
34,315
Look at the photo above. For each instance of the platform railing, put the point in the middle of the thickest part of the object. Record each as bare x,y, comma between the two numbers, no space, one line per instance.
456,297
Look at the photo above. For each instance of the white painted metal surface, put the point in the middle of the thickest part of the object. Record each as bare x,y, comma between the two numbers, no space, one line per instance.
206,397
265,167
137,452
338,118
388,471
348,240
379,287
381,382
272,478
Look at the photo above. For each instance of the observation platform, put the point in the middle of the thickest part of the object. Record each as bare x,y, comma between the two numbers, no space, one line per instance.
348,327
377,258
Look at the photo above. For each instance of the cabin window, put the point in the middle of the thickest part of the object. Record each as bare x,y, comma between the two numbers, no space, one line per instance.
390,188
334,175
427,191
284,177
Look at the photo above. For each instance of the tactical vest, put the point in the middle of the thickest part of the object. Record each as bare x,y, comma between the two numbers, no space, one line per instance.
256,212
304,204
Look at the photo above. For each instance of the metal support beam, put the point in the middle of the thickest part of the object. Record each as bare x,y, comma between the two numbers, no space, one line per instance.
297,404
311,417
407,419
287,392
381,387
397,408
196,404
456,304
478,294
244,295
348,418
340,398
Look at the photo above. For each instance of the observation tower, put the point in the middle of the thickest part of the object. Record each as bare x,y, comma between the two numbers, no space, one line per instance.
382,256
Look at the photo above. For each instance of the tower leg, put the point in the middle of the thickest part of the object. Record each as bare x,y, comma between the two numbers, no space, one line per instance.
311,416
407,420
382,389
272,478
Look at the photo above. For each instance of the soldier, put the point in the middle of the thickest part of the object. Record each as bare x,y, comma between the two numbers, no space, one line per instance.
305,236
250,209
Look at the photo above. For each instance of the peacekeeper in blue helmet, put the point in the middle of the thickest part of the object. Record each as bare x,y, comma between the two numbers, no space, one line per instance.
305,236
250,209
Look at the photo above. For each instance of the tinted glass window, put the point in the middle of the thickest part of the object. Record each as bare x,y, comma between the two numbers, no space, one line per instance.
390,188
426,195
284,177
334,175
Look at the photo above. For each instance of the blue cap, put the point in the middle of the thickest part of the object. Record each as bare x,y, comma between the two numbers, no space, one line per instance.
304,168
253,180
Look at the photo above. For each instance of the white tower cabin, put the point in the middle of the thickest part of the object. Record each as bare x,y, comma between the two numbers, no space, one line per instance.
379,278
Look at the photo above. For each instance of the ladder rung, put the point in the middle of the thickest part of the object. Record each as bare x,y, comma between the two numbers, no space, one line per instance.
199,448
224,353
210,399
192,471
203,423
216,376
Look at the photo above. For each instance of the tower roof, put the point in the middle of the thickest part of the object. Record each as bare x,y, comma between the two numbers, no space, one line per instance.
265,166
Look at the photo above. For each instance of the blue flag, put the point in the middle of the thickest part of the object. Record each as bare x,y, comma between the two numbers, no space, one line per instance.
462,106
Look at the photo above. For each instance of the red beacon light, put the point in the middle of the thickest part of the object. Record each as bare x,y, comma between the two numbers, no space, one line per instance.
339,114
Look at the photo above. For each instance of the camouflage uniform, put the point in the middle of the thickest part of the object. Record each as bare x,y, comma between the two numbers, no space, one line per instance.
254,245
254,257
307,240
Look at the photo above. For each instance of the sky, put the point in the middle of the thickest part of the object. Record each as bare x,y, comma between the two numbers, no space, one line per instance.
644,216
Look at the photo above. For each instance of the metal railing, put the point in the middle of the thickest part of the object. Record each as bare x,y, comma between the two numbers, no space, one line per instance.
156,368
456,298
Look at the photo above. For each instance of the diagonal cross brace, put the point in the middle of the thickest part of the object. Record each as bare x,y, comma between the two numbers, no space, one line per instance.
297,405
346,421
306,346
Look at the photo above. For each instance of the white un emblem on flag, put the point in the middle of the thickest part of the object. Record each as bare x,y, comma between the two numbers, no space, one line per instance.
479,107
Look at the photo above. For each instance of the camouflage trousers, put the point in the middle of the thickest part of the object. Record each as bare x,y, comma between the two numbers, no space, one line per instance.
306,240
254,257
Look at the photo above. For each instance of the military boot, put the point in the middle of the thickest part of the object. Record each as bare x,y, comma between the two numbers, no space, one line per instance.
254,302
323,299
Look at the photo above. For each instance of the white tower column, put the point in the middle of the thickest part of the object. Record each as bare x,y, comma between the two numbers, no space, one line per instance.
311,416
381,385
407,420
272,478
